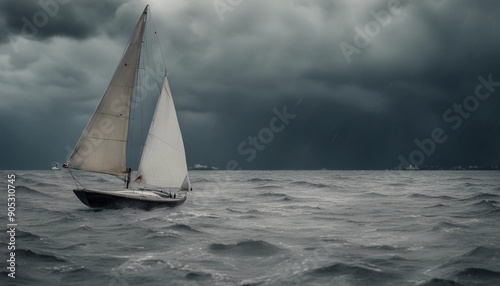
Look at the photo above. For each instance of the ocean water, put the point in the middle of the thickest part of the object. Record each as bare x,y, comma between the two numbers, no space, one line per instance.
264,228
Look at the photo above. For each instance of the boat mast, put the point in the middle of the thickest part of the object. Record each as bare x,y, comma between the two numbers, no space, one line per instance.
128,177
128,171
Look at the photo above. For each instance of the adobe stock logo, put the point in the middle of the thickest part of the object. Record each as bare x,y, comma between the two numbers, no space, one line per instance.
455,115
363,37
264,137
221,7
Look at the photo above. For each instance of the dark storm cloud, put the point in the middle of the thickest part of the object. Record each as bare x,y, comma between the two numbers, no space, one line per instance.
228,75
48,18
392,93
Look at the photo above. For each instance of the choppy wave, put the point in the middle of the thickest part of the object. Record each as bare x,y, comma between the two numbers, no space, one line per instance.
478,273
197,276
31,180
26,235
71,246
67,269
267,228
266,187
309,184
487,203
483,252
247,248
23,190
254,180
29,255
360,274
470,185
273,194
424,196
397,184
382,247
447,226
435,206
183,227
440,282
200,180
481,196
161,234
374,195
42,184
251,211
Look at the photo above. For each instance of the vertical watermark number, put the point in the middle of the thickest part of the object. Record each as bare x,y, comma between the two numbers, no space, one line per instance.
11,225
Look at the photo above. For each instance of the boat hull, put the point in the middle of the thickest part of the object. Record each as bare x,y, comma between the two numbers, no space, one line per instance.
126,199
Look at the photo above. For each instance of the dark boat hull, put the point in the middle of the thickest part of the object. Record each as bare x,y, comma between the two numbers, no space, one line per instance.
118,200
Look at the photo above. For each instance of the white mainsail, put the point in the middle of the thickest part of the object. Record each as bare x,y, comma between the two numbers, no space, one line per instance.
163,161
102,146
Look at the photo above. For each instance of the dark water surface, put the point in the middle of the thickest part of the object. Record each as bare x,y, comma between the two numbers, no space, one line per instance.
264,228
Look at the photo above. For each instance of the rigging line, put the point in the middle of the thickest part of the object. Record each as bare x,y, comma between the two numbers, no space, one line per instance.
134,99
75,180
158,79
131,118
158,39
151,40
149,61
131,128
132,124
142,120
146,72
133,103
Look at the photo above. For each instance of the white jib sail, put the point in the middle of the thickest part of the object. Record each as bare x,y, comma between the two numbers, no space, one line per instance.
102,146
163,161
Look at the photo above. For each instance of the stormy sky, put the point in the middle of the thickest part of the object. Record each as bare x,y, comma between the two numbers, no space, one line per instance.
282,84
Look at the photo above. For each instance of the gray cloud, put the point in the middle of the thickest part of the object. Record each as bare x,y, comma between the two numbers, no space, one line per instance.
227,76
49,18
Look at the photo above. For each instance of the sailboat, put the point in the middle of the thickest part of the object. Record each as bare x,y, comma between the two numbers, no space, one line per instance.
162,178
